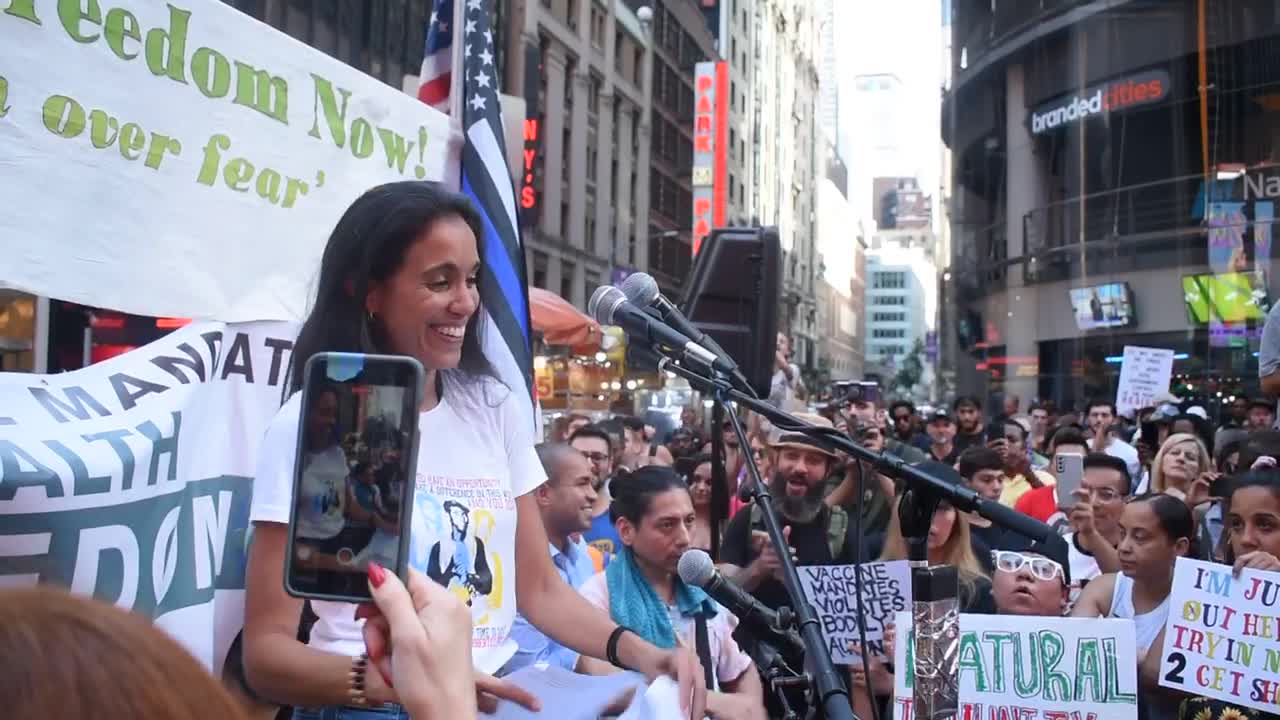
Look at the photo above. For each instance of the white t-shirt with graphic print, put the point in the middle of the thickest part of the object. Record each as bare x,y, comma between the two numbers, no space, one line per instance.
477,456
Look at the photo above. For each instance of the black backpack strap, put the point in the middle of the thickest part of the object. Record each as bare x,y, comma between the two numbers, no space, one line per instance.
703,643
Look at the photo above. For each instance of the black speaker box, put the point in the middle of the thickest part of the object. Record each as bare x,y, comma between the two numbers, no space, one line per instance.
733,297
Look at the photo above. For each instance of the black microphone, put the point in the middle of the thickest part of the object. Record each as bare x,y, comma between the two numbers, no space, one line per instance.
609,306
642,291
696,568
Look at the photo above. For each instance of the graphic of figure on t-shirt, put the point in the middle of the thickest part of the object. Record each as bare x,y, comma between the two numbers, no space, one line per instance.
459,562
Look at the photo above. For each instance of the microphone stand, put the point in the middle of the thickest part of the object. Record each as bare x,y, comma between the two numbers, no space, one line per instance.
719,479
936,638
832,697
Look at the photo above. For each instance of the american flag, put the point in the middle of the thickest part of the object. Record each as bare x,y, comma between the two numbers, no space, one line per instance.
435,78
505,290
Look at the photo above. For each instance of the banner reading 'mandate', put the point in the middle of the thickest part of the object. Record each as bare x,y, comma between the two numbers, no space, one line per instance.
182,159
130,480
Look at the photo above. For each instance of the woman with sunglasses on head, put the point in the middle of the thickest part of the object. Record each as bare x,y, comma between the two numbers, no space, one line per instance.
1251,540
401,275
1155,530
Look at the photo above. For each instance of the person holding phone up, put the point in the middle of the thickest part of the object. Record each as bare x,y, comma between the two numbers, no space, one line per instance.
400,275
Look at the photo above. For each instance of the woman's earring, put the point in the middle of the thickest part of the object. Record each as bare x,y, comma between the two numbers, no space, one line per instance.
370,316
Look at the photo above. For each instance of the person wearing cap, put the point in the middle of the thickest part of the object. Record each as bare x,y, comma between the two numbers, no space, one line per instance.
1261,415
967,410
1032,582
817,534
941,430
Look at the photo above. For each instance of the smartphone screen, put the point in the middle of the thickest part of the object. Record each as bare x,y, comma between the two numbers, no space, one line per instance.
1068,469
354,473
995,431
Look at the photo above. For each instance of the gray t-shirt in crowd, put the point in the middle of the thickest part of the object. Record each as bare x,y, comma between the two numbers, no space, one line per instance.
1269,349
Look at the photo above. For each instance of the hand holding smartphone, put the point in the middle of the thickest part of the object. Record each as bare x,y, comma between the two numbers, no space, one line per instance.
1068,469
354,473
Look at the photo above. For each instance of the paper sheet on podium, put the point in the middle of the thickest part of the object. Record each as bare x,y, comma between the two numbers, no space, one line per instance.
567,695
659,702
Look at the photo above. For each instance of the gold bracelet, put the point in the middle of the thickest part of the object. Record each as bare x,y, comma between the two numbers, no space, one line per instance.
355,681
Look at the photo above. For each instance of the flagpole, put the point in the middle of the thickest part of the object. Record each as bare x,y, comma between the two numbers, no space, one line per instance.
459,48
453,167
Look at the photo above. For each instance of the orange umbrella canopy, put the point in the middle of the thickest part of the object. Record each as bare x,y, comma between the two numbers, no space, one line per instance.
560,322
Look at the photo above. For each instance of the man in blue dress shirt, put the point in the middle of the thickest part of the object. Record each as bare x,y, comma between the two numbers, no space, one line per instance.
566,500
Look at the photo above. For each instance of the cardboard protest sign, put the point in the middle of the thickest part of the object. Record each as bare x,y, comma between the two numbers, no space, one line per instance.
1222,639
1033,668
207,156
130,480
1144,373
831,589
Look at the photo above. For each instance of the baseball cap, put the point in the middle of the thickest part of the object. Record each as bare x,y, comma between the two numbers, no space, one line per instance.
780,438
940,414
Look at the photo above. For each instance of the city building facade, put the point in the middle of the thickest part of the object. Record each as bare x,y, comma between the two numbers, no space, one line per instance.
1111,185
788,155
581,67
840,290
900,308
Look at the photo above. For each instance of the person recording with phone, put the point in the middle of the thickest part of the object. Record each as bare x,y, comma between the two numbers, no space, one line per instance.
400,276
1009,438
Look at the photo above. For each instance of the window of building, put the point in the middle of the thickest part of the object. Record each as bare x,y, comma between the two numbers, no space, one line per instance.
564,219
593,155
593,93
619,46
889,281
570,69
589,229
564,155
597,28
567,270
591,281
888,300
540,262
572,19
637,67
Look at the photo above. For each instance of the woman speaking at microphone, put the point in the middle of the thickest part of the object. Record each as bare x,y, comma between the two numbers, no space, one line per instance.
401,275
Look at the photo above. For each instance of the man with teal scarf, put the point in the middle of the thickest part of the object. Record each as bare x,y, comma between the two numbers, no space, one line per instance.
654,516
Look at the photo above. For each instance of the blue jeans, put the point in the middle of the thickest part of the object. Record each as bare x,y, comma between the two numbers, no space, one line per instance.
340,712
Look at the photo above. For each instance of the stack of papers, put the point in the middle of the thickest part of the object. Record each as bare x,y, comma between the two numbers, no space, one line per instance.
568,695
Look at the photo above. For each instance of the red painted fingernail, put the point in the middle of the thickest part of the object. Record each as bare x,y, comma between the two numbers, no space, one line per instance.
377,575
385,677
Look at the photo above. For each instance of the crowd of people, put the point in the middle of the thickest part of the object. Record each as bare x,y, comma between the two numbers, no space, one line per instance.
583,531
1163,484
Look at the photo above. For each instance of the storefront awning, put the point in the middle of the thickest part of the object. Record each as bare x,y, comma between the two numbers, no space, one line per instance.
560,322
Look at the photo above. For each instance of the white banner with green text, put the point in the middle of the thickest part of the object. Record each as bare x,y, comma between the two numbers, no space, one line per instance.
183,159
